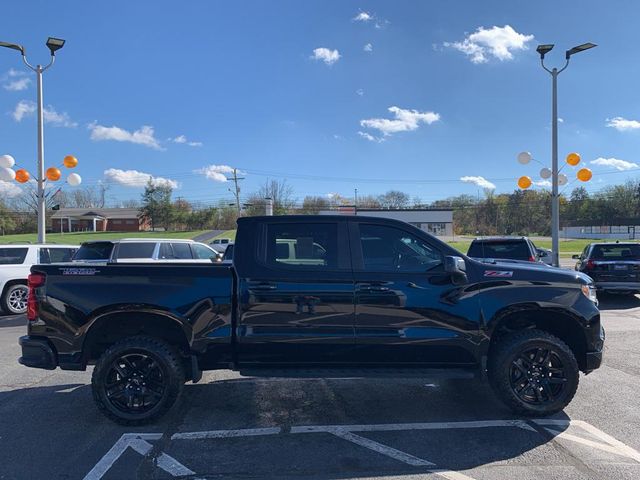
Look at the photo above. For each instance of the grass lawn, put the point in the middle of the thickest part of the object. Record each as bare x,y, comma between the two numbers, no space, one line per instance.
230,234
567,247
78,238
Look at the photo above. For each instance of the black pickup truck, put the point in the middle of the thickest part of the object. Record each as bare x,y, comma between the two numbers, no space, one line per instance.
321,296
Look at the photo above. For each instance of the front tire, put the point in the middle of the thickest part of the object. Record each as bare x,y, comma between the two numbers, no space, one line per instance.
534,373
14,300
137,380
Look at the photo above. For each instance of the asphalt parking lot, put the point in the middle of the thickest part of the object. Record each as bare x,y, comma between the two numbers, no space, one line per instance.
233,427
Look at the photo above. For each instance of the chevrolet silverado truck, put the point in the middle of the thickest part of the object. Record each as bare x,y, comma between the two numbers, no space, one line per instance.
316,296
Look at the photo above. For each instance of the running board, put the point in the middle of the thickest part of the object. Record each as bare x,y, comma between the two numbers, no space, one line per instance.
426,373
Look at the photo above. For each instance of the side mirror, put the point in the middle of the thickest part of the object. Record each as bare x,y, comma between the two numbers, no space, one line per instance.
575,257
542,253
457,268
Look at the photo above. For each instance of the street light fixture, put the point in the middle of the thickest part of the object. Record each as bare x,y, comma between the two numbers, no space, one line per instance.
555,197
579,48
53,44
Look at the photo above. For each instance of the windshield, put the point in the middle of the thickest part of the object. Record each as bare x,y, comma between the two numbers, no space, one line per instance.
94,251
630,251
509,249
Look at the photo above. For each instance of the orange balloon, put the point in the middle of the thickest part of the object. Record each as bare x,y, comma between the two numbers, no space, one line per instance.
573,159
524,182
584,174
22,176
53,174
70,161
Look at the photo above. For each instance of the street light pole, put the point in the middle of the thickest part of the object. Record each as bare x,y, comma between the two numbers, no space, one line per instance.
54,44
555,195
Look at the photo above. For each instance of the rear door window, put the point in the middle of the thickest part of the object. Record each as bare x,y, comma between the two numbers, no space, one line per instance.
56,255
302,246
136,250
13,256
182,251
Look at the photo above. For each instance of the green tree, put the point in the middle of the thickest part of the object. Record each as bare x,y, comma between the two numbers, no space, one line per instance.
156,204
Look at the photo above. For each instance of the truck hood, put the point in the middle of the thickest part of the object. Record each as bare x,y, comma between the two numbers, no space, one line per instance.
531,271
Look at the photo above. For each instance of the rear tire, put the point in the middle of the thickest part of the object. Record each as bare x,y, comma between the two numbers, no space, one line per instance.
533,372
137,380
14,300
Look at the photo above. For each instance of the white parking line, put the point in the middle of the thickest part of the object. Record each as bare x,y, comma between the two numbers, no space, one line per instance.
246,432
386,427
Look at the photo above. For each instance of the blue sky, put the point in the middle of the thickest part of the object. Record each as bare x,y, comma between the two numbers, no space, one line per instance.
244,84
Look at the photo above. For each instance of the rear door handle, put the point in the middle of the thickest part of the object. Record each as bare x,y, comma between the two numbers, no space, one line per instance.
262,286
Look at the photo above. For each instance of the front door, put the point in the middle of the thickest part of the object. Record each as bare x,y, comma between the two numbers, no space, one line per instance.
408,311
298,307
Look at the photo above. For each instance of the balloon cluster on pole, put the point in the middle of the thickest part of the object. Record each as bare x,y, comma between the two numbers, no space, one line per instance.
53,174
573,159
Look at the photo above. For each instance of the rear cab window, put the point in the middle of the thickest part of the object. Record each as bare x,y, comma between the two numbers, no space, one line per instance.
508,249
13,255
94,251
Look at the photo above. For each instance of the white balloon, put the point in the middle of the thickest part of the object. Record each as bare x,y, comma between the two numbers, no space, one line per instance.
74,179
562,179
7,174
7,161
524,158
545,173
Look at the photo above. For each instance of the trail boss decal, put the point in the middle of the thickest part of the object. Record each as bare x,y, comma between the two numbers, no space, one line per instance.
498,273
79,271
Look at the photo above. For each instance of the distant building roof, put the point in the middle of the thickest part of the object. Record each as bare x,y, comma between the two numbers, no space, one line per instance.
97,212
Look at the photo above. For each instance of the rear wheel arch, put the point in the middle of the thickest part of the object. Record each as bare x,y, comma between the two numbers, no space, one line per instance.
110,328
559,323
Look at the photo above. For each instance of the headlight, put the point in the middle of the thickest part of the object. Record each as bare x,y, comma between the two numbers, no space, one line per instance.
590,292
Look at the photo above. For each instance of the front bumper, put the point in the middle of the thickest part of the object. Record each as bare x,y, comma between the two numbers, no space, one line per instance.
37,353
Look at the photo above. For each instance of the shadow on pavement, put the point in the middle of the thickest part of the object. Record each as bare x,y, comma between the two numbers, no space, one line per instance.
64,415
13,321
608,301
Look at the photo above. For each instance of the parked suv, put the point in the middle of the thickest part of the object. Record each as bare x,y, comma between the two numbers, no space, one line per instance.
142,250
506,248
614,267
220,244
15,263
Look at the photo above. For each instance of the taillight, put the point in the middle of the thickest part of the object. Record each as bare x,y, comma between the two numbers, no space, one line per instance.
34,281
532,259
590,265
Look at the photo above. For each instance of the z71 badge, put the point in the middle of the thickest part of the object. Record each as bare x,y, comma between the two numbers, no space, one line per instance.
498,273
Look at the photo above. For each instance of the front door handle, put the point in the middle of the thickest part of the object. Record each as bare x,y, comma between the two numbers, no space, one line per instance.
373,288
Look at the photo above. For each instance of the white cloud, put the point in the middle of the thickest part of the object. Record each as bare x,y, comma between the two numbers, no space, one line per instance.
479,181
326,55
368,48
363,16
216,172
542,183
360,92
8,189
495,42
405,120
15,80
560,120
370,137
26,108
622,124
143,136
615,163
23,109
183,139
136,179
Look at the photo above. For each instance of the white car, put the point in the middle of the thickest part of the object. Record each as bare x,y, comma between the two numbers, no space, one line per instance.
144,250
15,265
220,244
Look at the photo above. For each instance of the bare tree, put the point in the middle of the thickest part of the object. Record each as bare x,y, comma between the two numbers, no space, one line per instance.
279,191
394,199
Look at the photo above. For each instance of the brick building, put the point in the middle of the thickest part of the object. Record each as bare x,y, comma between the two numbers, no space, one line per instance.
98,220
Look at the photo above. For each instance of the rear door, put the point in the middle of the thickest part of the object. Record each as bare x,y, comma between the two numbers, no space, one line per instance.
408,312
297,305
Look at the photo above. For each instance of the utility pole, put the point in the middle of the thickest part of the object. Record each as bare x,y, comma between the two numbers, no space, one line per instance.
236,189
355,202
